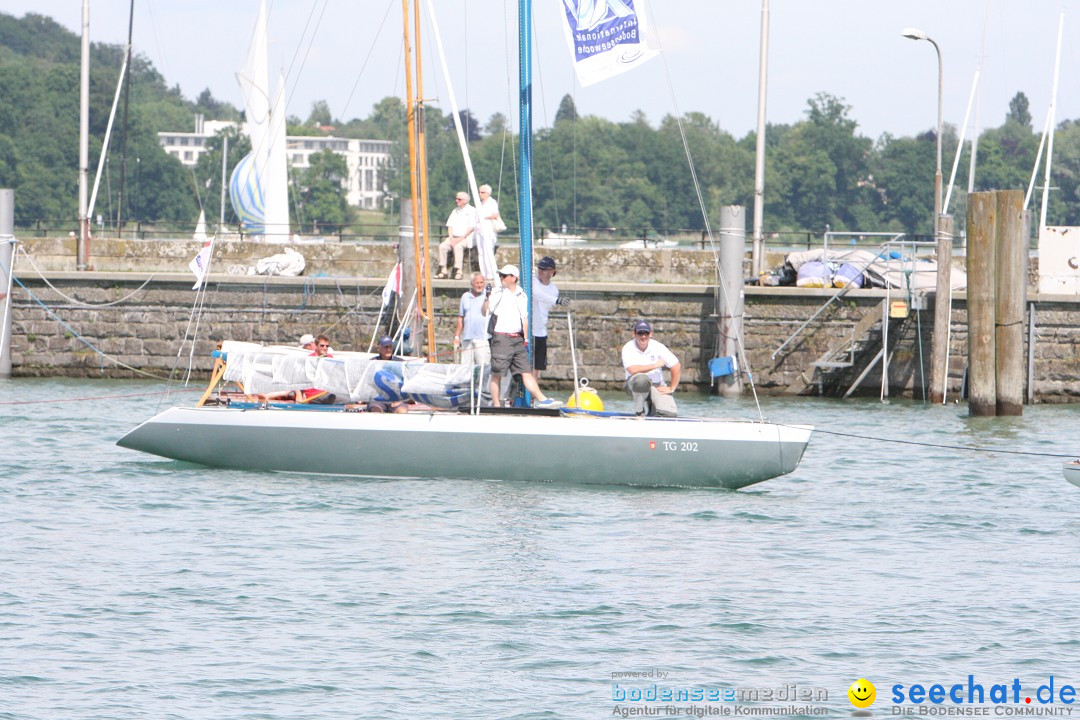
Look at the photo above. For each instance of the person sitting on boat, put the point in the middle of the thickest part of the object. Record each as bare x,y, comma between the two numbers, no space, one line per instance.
307,342
314,395
320,348
386,352
643,358
460,226
509,341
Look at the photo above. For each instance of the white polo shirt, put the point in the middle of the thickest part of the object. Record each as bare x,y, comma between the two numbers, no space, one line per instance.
509,308
654,351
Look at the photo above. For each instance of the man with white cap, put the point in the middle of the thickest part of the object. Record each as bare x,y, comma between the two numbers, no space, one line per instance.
307,342
510,336
643,359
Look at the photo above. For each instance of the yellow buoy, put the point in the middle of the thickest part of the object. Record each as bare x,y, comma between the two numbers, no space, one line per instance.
589,400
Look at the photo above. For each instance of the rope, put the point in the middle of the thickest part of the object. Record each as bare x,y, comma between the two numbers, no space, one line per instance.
939,446
85,399
73,301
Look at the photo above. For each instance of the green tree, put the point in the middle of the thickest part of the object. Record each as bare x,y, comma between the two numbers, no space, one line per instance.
318,199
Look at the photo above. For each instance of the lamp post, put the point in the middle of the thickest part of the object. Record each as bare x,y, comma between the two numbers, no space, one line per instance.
939,351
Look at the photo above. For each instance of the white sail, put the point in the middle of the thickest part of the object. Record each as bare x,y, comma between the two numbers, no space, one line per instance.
265,127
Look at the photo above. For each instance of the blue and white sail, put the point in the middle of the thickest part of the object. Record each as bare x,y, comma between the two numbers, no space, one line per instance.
606,37
259,184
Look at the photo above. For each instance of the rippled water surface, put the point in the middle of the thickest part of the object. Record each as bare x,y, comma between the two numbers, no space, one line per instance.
135,587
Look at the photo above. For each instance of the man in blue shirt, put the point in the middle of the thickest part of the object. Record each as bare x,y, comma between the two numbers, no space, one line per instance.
471,338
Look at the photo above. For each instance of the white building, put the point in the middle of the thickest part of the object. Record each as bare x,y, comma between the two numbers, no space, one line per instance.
365,159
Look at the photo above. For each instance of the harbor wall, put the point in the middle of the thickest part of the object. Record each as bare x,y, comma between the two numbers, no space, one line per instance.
94,324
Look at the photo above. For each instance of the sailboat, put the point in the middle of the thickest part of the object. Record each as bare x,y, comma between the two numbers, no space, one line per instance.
453,437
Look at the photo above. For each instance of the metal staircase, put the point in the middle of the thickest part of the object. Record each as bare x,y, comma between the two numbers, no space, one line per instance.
836,364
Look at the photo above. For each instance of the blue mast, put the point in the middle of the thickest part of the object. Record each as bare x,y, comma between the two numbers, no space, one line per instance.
525,219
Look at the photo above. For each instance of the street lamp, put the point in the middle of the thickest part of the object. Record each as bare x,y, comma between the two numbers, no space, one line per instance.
939,351
917,34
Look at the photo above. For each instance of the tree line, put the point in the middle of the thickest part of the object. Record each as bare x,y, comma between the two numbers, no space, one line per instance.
588,172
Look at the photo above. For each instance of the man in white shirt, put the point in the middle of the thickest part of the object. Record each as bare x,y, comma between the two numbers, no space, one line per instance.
643,358
509,340
486,234
460,226
545,295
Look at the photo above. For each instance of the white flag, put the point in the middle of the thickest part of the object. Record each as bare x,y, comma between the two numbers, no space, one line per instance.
393,284
199,266
606,37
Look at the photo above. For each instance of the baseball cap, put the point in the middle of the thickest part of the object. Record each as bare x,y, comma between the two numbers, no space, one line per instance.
386,340
510,270
306,338
642,326
546,263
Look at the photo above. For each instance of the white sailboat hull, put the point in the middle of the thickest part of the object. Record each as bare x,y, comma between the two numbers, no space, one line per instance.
658,452
1071,471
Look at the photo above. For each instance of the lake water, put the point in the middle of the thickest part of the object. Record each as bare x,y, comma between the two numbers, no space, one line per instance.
135,587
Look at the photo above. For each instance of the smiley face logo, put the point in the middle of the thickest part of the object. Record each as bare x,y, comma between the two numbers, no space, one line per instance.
862,693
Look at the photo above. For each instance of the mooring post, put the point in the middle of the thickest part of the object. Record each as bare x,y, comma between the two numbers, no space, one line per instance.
981,232
7,274
1010,291
730,311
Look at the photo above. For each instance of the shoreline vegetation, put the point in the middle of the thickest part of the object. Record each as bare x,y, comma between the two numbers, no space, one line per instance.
627,177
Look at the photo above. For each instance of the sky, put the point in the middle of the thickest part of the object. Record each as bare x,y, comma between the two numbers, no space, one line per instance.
348,53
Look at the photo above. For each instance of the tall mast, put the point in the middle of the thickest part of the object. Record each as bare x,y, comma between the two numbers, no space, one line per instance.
410,115
123,140
421,142
82,249
525,218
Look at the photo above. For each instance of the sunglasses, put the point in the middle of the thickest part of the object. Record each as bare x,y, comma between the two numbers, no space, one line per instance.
324,345
644,332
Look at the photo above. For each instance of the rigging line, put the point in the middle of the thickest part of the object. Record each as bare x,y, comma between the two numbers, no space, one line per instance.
165,71
940,446
73,301
740,346
79,337
299,44
84,399
367,58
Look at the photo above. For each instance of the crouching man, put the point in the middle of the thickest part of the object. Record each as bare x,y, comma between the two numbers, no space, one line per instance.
643,359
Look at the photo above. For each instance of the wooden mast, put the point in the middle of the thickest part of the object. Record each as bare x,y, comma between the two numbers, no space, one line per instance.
421,142
410,116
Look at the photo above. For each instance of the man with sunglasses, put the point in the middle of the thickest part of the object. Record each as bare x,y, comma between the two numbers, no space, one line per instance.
510,337
644,360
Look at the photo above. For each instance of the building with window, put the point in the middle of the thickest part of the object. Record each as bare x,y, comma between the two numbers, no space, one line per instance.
366,160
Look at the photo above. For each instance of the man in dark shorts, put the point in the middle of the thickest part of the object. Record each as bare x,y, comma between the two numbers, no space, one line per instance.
509,339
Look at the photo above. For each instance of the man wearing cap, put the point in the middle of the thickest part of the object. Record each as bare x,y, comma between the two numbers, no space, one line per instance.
509,340
460,226
545,295
643,358
386,352
307,342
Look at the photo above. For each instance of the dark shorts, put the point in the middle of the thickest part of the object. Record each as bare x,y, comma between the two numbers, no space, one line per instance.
509,353
540,352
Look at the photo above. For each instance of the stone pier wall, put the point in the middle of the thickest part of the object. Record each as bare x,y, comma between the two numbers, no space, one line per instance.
68,327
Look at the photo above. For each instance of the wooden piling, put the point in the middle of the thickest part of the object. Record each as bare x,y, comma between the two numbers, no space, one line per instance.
981,231
1010,290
